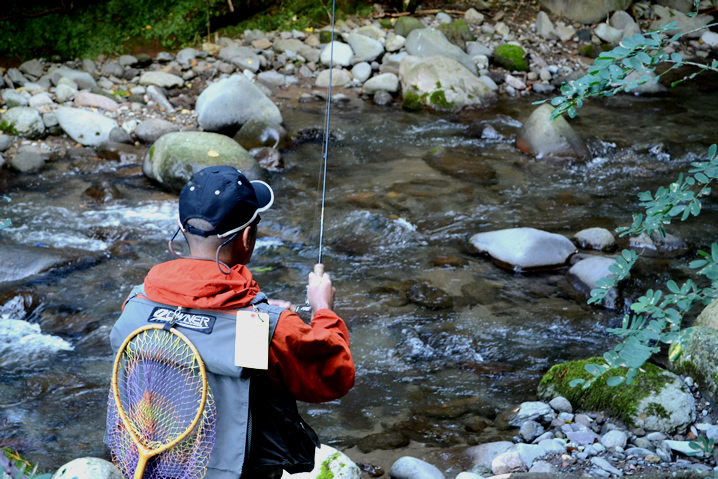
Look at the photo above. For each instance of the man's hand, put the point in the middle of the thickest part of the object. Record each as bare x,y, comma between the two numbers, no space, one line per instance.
320,292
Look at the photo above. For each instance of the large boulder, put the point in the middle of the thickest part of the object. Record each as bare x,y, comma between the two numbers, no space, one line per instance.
699,358
427,42
584,11
227,104
21,262
26,121
441,83
85,127
656,400
405,25
175,157
524,248
329,462
88,468
709,316
365,49
542,137
337,54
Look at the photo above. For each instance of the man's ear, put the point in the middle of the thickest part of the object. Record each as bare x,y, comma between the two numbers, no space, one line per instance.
247,237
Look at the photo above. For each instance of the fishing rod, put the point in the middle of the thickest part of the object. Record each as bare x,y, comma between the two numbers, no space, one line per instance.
319,267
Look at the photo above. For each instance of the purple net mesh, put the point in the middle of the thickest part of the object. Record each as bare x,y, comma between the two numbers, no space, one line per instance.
160,389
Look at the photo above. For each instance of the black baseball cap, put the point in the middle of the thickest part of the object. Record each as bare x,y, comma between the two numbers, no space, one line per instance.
224,197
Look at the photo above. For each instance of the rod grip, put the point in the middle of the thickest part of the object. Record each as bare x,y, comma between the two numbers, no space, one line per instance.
319,269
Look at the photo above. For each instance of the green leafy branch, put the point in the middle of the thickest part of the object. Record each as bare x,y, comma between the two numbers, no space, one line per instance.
656,317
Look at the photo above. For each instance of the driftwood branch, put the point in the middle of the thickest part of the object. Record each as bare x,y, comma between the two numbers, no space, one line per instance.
418,12
231,7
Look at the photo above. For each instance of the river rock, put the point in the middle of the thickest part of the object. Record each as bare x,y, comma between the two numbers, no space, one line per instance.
507,463
156,95
647,85
595,238
700,359
428,296
83,80
365,49
542,137
87,99
64,93
624,22
532,410
385,81
524,248
544,27
361,72
429,43
292,44
439,82
395,43
613,439
608,34
584,11
26,121
708,318
259,133
15,77
484,454
5,142
242,57
383,98
161,79
691,25
656,400
585,274
150,130
329,462
120,135
121,152
33,68
88,468
405,25
412,468
229,103
175,157
29,158
341,55
112,69
530,430
21,262
85,127
339,78
14,98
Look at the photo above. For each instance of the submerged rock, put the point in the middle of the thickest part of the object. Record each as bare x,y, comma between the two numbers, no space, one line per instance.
524,248
20,262
587,272
175,157
257,133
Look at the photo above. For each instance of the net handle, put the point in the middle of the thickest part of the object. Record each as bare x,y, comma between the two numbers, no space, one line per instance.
146,454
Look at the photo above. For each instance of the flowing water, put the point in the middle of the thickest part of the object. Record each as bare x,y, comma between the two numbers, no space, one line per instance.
397,225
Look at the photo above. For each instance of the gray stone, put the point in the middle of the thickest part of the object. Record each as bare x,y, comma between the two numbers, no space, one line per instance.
614,438
561,404
395,43
532,410
544,27
127,61
161,79
309,53
468,475
405,25
120,135
585,274
392,63
595,238
472,17
608,34
83,80
68,82
87,99
565,32
339,78
553,446
529,452
385,81
677,402
157,95
26,121
428,42
523,248
85,127
447,86
164,57
88,468
41,101
13,98
638,451
175,157
27,161
112,69
186,55
64,93
700,356
530,430
229,103
5,142
383,98
583,438
606,466
542,137
272,78
543,467
507,463
484,454
340,54
587,11
488,82
647,84
412,468
361,72
21,262
365,49
261,133
514,82
680,446
684,22
89,66
710,39
443,18
16,77
150,130
33,68
50,120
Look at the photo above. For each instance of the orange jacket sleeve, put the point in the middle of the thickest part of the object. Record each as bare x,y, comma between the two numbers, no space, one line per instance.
312,361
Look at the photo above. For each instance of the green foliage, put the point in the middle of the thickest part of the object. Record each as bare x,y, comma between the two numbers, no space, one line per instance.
703,447
25,470
8,128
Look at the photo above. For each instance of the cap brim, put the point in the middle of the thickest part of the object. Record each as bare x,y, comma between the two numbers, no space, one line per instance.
265,195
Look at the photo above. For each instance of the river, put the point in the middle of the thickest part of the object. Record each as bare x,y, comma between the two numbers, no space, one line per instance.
394,220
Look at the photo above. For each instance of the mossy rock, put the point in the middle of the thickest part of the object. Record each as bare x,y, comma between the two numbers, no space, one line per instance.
656,399
405,25
413,101
458,33
325,36
699,358
511,57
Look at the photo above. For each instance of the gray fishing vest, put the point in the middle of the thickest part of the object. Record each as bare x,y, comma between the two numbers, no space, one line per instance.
238,427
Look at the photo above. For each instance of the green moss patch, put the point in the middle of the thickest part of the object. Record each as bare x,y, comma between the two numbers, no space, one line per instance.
413,101
620,402
438,99
511,57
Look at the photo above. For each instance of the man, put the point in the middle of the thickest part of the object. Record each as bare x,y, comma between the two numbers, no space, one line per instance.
259,431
